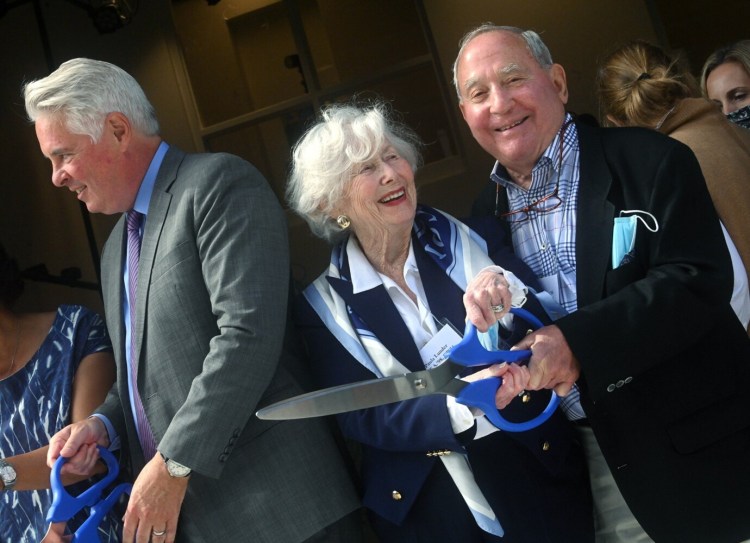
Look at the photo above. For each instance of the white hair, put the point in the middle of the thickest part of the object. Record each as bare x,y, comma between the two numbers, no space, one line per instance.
84,91
324,158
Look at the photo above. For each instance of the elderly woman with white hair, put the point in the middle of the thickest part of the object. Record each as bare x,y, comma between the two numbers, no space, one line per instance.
432,469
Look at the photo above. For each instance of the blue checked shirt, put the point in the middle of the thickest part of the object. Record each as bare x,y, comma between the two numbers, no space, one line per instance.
546,241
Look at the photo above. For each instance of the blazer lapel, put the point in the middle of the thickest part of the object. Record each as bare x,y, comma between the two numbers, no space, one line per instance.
443,295
155,220
113,286
594,218
376,309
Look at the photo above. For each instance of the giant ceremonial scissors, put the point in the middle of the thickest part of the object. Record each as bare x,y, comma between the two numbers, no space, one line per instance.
440,380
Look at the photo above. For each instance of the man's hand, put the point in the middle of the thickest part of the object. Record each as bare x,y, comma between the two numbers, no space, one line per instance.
552,363
487,290
154,504
77,442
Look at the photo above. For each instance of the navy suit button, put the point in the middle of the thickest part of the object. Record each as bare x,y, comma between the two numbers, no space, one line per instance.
236,432
628,379
222,458
620,383
396,495
610,388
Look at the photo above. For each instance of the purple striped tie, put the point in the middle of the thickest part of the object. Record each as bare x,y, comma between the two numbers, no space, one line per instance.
146,437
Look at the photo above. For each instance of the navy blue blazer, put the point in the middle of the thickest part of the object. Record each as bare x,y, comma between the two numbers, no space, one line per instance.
546,500
665,363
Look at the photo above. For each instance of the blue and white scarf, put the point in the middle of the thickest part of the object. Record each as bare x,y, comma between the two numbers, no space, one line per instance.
461,253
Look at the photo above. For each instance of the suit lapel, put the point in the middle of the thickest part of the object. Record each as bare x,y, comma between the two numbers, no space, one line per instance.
443,295
376,309
155,220
113,286
594,218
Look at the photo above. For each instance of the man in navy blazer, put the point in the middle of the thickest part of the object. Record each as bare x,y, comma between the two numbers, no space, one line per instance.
651,344
209,343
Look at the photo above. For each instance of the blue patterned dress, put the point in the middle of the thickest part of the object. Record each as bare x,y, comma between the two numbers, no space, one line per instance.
34,404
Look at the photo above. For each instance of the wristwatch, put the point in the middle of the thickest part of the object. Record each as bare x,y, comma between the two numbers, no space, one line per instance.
7,474
176,469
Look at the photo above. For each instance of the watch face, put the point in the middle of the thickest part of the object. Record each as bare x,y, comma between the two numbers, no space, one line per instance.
177,470
8,474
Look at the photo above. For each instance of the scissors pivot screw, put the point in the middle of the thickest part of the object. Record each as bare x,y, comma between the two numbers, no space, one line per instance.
419,384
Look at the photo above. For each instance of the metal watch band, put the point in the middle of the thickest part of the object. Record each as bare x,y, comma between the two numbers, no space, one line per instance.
8,475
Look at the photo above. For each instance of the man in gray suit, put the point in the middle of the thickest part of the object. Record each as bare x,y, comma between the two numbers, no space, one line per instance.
195,282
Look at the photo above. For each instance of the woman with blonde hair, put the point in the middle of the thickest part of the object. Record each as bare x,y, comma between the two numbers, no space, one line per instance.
640,85
725,79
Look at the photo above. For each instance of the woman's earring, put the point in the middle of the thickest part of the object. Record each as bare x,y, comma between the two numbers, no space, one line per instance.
343,221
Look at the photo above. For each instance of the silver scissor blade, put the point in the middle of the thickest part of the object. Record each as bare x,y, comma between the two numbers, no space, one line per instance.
360,395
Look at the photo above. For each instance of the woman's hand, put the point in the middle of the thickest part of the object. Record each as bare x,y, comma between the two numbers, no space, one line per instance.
487,299
515,378
56,534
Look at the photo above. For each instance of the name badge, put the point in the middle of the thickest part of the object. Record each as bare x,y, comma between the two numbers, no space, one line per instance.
435,351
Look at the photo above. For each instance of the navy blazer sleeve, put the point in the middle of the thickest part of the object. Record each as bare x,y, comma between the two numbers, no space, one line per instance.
412,425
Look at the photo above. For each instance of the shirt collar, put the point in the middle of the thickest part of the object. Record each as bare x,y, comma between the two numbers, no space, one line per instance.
143,197
362,274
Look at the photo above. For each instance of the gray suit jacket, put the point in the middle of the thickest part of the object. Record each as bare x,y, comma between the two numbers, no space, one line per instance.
211,314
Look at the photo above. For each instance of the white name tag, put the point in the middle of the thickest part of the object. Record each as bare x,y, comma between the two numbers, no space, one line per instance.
436,350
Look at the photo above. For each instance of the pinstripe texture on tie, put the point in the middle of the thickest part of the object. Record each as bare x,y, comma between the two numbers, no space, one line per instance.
145,436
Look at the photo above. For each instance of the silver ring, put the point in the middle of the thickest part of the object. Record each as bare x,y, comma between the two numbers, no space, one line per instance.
159,534
497,308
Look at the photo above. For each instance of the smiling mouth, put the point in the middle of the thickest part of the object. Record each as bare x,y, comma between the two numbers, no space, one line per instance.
392,197
508,127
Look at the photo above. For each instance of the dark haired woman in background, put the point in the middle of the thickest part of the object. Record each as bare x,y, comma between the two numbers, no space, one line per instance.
55,368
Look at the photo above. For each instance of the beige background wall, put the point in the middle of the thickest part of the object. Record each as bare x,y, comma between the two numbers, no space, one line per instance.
41,224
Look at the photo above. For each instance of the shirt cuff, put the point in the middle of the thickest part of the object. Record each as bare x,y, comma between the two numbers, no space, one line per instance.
114,439
461,416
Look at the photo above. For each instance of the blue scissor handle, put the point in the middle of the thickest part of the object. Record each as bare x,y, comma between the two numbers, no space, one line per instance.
88,531
64,506
469,352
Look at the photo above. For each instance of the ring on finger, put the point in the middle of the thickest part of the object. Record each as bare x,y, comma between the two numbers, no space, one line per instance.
497,308
159,533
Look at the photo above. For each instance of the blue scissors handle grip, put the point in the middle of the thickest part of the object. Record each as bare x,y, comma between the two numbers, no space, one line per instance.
470,352
88,531
64,506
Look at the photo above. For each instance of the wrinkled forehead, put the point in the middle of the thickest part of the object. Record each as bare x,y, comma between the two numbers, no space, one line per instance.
499,51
